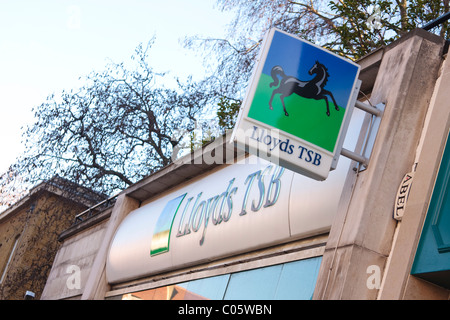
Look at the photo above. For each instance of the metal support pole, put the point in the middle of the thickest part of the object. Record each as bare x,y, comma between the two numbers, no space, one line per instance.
355,156
372,110
363,159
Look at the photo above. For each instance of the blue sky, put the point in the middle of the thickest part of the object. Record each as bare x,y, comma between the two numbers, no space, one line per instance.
45,46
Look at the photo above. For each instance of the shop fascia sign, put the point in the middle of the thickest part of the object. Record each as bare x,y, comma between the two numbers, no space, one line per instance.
298,105
198,212
239,208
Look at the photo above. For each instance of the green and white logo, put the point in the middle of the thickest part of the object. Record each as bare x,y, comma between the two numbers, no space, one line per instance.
163,227
200,211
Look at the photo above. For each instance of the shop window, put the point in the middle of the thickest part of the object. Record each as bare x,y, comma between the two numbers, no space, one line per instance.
298,279
432,260
292,280
212,288
258,284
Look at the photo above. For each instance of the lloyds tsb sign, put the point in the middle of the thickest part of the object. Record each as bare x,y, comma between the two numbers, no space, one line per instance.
239,208
298,105
198,212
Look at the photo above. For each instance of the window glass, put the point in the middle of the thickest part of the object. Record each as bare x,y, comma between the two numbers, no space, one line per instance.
258,284
209,288
298,279
292,280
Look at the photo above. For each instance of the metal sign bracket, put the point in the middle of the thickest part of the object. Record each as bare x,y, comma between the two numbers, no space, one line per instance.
364,157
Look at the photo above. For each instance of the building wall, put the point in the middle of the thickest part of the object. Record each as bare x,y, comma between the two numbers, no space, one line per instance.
362,235
73,264
398,282
35,224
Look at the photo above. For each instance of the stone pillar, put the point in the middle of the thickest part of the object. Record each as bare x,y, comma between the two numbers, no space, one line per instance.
361,236
96,285
398,282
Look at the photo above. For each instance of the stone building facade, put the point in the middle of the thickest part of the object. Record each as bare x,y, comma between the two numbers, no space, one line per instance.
235,229
29,232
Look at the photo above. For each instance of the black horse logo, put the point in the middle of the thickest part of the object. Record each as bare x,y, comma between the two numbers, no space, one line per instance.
313,89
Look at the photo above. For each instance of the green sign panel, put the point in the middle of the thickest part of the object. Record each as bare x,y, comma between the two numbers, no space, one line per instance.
297,104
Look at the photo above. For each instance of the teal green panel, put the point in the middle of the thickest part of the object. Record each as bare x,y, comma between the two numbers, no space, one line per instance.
432,260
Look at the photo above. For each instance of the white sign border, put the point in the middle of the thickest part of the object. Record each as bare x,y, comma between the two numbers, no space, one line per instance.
243,113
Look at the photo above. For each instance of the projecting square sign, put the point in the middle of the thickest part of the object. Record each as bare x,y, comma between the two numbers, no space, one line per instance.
297,106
